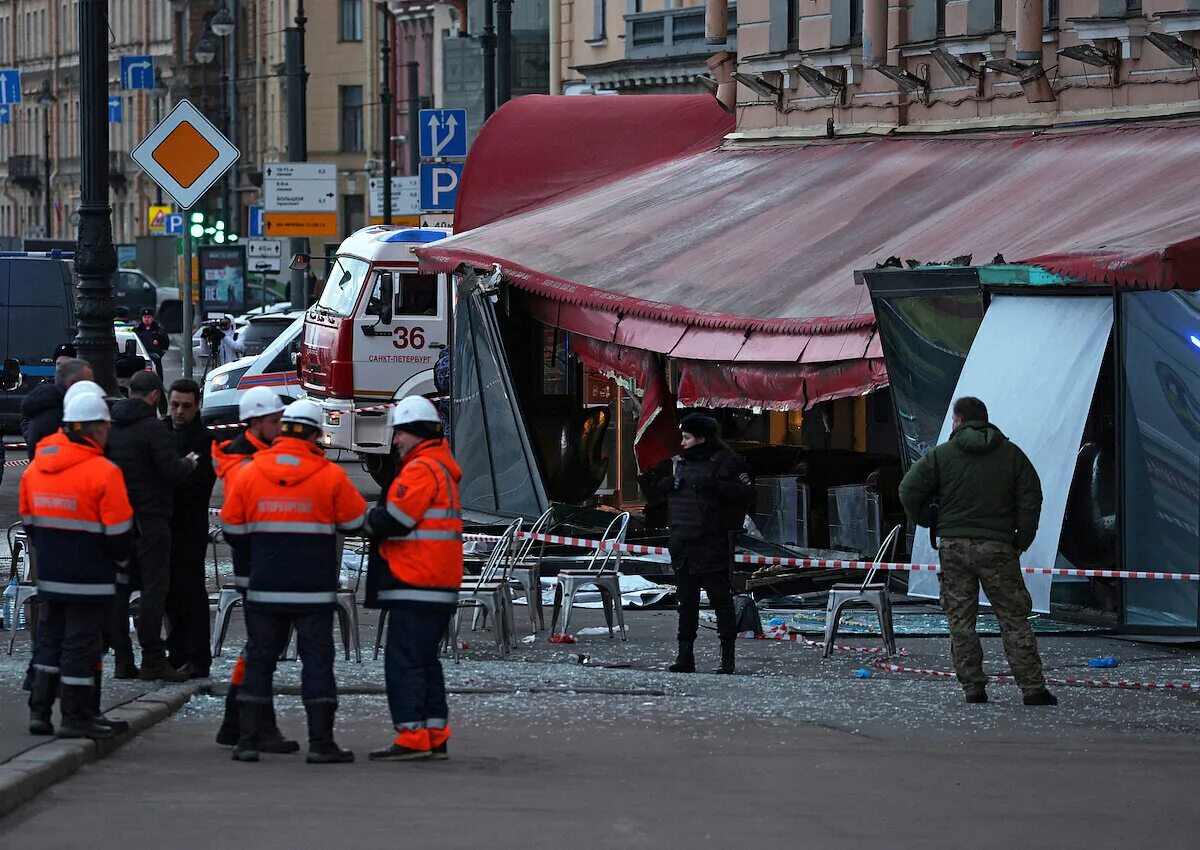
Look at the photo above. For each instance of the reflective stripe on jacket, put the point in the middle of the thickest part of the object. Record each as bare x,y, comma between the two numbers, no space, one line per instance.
419,530
282,514
76,511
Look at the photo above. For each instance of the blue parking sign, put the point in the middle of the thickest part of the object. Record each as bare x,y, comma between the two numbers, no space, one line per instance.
137,72
10,85
254,221
173,226
439,185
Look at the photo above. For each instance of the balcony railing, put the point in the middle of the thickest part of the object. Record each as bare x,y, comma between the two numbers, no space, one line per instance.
25,168
672,32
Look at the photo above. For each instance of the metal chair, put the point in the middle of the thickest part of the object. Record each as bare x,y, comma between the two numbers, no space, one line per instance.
491,592
603,572
875,595
526,570
215,536
24,570
228,598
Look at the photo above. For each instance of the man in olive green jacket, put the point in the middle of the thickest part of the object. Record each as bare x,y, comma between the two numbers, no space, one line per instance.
988,499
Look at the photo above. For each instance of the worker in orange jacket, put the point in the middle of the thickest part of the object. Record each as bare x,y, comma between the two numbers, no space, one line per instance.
262,411
76,511
282,515
418,530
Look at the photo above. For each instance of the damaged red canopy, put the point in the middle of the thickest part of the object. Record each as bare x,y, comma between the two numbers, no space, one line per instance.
748,255
539,147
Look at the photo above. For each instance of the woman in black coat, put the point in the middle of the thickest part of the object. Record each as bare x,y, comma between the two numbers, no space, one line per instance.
707,496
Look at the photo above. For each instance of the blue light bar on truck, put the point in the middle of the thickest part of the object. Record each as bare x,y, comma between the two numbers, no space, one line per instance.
39,255
415,234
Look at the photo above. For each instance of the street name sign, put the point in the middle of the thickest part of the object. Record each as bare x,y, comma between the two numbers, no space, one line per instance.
443,133
300,199
406,196
185,154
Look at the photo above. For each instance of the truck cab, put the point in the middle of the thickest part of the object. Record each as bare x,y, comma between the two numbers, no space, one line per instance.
373,336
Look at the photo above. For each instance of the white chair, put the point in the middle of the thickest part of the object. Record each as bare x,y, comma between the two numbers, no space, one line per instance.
526,570
491,592
603,572
875,595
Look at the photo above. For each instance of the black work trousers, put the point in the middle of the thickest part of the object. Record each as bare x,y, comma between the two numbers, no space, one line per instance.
188,635
70,640
720,595
267,630
153,552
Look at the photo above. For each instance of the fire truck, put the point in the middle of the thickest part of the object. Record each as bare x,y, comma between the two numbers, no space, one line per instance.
374,336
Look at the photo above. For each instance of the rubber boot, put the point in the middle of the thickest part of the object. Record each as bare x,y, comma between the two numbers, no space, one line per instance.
686,662
321,747
728,646
230,731
250,715
270,739
118,726
78,721
42,695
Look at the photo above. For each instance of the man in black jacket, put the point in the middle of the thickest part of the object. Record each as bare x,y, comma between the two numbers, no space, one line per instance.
41,412
187,597
152,335
140,444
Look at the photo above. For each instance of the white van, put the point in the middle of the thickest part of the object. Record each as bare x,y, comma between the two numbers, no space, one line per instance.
275,367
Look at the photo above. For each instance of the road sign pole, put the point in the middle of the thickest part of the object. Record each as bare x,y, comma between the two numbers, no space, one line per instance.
188,319
414,116
95,256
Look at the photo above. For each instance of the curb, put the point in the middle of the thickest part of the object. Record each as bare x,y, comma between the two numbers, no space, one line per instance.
27,774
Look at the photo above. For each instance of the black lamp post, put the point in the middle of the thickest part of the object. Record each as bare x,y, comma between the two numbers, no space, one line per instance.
46,100
385,106
95,256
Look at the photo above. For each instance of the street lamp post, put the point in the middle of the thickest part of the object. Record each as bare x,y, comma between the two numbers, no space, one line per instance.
297,130
489,59
504,51
95,255
385,106
46,100
224,26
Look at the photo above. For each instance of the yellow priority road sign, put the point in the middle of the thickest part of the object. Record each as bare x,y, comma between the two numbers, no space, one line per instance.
185,154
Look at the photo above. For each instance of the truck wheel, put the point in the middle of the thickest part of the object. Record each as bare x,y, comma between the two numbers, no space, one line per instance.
381,468
171,317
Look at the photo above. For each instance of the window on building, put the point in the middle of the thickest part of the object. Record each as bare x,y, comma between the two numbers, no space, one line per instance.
856,15
350,108
1051,11
599,22
350,23
941,17
1133,5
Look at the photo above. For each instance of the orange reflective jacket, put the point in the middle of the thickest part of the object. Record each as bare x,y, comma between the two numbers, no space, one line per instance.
232,454
75,508
419,530
282,513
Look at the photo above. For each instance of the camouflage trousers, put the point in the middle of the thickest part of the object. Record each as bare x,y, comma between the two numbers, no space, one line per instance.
966,564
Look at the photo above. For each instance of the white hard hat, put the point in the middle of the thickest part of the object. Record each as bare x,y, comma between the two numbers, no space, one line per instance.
414,408
258,401
86,407
303,412
81,388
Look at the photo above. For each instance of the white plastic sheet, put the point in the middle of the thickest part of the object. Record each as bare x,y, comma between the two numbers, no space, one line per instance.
1034,363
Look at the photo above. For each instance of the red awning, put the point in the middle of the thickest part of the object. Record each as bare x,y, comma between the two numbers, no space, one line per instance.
749,255
539,147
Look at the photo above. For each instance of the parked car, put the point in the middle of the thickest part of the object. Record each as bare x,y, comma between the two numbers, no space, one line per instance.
135,289
274,367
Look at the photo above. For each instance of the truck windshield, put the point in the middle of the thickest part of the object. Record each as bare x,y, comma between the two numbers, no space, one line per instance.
343,285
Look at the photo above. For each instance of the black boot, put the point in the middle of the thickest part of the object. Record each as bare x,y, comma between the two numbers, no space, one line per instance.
119,727
78,721
1042,697
728,645
230,732
250,718
686,662
321,747
41,702
270,739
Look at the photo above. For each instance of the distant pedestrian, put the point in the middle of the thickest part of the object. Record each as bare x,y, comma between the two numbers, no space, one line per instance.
418,531
140,444
75,510
707,496
282,515
154,339
988,500
228,347
187,597
121,317
41,412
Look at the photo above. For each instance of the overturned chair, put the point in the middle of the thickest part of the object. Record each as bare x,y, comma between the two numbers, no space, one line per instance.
875,595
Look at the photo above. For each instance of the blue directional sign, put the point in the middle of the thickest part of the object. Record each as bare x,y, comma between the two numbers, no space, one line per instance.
5,113
10,85
439,185
254,221
114,109
137,72
173,226
443,132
